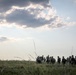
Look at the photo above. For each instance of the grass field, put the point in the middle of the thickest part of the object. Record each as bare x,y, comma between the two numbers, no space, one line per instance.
32,68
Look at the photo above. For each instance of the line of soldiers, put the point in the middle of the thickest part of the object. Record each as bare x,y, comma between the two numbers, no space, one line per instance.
52,60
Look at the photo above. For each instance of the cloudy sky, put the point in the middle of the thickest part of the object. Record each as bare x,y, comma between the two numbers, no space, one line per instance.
37,27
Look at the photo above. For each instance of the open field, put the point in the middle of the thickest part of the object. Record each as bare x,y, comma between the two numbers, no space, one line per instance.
32,68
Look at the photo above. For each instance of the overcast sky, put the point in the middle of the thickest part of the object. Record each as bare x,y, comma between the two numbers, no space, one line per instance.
42,27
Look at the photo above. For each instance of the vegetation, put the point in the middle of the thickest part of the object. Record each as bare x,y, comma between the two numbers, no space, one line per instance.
32,68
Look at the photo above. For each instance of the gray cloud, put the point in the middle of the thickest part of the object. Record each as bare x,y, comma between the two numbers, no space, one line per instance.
58,25
23,17
3,39
7,4
40,13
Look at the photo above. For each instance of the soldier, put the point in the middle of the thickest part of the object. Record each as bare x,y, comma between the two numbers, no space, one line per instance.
63,60
38,60
67,60
75,60
48,59
59,60
43,58
72,60
53,60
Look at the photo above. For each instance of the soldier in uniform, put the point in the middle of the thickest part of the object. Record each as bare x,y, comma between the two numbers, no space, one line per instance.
59,60
63,60
48,59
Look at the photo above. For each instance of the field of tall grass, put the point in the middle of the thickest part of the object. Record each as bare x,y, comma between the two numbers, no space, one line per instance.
33,68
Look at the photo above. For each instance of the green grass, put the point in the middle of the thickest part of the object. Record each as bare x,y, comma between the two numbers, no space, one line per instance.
32,68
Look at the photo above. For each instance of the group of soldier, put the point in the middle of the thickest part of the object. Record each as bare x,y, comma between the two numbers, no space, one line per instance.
50,59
